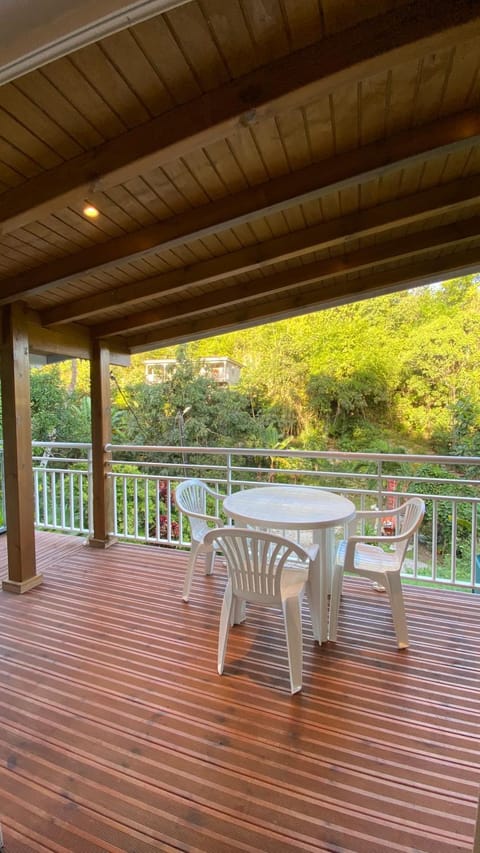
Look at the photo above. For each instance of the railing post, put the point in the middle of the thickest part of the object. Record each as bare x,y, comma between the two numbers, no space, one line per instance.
90,489
379,484
102,509
229,473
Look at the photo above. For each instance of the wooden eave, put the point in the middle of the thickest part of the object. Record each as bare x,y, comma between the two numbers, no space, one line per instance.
245,170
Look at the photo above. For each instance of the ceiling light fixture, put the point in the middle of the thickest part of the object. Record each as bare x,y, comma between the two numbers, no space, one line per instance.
91,211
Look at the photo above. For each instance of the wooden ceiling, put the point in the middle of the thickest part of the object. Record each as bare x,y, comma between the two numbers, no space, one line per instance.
250,159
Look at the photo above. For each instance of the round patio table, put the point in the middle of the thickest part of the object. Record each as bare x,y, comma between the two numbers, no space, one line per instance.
297,508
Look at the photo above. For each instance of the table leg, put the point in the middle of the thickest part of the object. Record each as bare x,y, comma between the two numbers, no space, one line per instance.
320,582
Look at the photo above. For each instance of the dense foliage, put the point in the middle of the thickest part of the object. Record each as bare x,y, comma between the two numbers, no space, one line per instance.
400,372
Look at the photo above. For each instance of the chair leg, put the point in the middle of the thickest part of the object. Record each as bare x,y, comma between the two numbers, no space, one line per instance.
209,561
314,615
239,612
228,605
395,592
337,583
292,615
189,573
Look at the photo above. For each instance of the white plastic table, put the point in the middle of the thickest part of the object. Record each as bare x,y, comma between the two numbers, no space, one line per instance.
298,508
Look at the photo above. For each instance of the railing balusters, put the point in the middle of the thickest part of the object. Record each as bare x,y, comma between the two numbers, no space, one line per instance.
53,487
89,487
453,543
71,492
146,525
135,509
37,496
475,577
446,550
157,515
125,507
435,539
62,500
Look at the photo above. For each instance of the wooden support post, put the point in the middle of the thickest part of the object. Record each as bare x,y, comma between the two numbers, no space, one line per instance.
102,504
17,438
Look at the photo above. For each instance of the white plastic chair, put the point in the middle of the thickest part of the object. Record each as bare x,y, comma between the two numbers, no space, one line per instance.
359,556
258,572
191,499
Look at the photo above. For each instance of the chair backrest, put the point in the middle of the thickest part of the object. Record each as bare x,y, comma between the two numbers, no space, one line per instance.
191,496
191,500
255,561
413,511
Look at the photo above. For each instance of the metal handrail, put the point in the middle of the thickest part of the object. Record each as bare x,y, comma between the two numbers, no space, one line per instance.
144,478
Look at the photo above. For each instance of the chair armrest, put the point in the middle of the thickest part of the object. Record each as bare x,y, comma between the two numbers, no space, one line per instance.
214,494
367,538
204,517
373,515
366,514
353,541
370,513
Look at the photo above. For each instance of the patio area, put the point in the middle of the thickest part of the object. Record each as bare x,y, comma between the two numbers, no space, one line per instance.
117,734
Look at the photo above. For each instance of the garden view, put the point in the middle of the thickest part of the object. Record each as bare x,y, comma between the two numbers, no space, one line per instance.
398,374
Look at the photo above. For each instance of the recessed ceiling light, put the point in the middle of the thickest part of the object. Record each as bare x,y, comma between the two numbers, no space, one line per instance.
91,211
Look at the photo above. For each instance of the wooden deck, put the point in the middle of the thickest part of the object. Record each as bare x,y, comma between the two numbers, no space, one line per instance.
118,735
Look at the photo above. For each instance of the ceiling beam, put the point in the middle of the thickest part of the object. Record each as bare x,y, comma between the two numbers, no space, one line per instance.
427,204
57,28
400,250
399,35
443,136
69,342
336,291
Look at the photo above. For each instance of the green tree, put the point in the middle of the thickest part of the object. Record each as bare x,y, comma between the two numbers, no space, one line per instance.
434,374
465,438
344,402
397,371
189,409
55,412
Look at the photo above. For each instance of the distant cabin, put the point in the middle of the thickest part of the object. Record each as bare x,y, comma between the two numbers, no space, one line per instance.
225,371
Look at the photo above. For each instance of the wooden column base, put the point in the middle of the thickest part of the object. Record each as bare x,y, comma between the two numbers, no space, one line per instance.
19,587
101,543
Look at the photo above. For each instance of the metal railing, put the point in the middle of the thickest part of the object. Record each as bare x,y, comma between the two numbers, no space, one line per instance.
446,551
62,477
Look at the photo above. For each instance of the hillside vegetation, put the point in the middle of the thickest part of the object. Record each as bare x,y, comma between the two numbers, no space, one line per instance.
399,373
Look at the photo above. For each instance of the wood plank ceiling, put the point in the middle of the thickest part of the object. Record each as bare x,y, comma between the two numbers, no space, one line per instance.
250,159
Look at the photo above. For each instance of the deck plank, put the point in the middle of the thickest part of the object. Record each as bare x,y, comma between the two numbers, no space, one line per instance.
117,734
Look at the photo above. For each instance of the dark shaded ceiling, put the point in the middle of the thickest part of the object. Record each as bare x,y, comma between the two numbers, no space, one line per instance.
249,161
